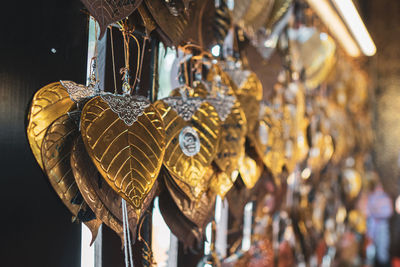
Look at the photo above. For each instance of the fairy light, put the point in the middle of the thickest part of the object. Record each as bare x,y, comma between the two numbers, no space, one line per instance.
354,22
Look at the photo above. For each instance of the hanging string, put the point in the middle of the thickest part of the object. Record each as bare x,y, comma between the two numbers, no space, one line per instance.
129,236
125,234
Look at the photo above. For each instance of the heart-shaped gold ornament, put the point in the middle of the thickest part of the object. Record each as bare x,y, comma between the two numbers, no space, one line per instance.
48,104
124,135
101,198
231,147
198,211
250,170
56,150
249,91
192,134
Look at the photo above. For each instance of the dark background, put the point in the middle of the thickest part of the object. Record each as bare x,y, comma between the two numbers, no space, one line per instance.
36,228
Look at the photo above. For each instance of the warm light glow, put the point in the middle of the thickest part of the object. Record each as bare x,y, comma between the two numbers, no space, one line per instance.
397,205
335,25
354,22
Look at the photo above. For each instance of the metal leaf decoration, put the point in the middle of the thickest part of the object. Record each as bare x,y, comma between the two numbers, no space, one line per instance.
128,157
249,93
49,103
231,145
198,211
56,151
97,193
101,198
107,12
190,145
171,26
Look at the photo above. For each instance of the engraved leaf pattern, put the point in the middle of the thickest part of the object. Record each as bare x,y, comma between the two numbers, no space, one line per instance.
49,103
107,12
56,152
101,198
190,170
128,157
198,211
231,146
172,27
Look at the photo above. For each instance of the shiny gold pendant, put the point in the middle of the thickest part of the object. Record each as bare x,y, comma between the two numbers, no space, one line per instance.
124,135
56,151
231,147
192,132
101,198
248,89
49,103
221,183
250,171
198,211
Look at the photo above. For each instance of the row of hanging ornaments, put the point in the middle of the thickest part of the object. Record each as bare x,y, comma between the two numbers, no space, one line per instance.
107,155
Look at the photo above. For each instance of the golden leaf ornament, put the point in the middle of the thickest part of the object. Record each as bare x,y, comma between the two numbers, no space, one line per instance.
48,103
56,151
124,135
192,133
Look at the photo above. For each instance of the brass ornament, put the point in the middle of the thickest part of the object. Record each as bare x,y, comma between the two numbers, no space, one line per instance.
279,9
200,210
126,143
191,144
171,27
101,198
231,147
256,15
48,104
109,12
352,183
56,150
248,89
250,171
221,183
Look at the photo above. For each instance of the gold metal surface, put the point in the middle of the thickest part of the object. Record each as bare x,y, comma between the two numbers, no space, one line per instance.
278,10
231,147
250,171
128,157
198,211
257,14
56,151
101,198
48,103
249,94
221,183
352,183
189,170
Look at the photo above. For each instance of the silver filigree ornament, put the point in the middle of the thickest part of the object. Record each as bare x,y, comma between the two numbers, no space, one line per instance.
223,104
128,108
79,92
184,106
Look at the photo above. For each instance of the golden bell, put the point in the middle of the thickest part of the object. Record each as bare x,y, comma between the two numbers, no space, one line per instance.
124,135
192,134
48,104
56,150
